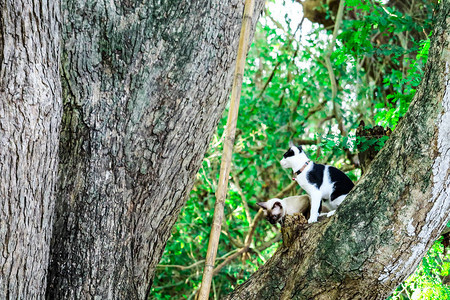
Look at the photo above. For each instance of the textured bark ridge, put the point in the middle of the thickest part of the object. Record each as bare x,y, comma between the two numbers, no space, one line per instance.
390,219
30,115
144,85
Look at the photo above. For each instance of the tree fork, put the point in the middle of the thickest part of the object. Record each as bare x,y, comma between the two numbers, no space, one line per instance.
391,218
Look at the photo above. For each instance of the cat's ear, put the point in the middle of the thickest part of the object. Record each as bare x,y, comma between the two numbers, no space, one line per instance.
277,208
291,143
263,205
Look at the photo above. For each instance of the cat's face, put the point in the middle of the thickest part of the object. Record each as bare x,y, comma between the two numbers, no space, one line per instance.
293,158
273,210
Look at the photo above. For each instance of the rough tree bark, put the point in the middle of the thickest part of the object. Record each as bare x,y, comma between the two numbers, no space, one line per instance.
144,85
30,114
390,219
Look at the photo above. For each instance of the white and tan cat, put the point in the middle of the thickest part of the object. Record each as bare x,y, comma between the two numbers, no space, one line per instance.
276,209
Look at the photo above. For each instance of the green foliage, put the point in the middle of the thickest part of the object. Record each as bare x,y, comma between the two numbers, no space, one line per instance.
396,42
399,102
378,62
365,143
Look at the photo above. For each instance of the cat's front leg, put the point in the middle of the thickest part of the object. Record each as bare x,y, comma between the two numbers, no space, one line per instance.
315,205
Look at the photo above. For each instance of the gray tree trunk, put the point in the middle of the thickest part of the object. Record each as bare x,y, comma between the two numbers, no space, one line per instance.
144,85
30,115
391,218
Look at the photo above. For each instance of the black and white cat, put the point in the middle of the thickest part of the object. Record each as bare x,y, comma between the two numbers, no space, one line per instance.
326,185
276,209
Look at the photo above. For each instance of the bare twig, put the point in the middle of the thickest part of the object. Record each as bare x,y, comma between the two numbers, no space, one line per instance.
277,24
244,201
269,80
327,118
243,170
270,242
315,109
255,221
289,43
286,190
248,241
229,258
168,286
323,63
329,51
227,151
305,142
181,267
236,242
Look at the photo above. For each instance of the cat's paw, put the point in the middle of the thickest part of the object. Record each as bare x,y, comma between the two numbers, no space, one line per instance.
331,213
312,220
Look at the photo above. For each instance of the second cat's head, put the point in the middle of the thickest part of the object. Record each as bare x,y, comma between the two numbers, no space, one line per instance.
273,210
294,158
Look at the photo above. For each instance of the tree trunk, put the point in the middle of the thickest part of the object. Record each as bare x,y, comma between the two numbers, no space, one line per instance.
390,219
30,116
144,85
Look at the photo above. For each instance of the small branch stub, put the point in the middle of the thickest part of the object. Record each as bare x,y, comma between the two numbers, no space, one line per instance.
292,227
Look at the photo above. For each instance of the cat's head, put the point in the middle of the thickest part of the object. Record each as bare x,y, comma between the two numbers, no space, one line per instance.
294,158
273,210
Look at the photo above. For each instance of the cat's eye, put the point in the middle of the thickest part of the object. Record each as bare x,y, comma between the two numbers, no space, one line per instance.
289,153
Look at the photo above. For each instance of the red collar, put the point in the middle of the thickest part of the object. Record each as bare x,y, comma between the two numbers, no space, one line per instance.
301,169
